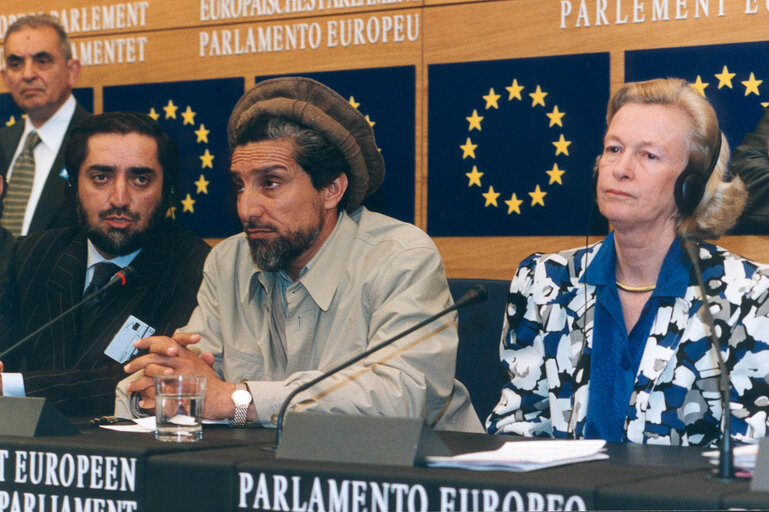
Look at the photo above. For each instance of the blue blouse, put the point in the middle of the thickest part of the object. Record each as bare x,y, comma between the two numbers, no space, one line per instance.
616,354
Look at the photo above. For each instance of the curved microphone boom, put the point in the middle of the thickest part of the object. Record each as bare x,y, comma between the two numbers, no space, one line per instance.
474,295
120,278
725,470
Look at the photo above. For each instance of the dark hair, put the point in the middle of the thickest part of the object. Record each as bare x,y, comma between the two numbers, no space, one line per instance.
42,20
123,123
319,158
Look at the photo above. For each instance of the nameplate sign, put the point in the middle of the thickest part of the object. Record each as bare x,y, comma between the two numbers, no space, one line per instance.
62,480
303,491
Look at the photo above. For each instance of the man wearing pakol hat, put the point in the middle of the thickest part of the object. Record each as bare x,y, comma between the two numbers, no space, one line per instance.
314,280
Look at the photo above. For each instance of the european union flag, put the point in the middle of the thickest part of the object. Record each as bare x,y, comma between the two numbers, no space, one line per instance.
10,113
386,97
734,77
195,115
730,76
512,145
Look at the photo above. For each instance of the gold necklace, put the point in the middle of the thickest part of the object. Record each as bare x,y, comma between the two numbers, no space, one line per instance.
635,289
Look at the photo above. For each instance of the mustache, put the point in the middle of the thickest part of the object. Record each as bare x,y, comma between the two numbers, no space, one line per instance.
119,212
255,224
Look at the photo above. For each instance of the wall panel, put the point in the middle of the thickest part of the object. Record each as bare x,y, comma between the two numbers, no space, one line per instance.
154,41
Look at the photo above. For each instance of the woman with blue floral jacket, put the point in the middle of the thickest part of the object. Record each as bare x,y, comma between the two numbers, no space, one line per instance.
608,341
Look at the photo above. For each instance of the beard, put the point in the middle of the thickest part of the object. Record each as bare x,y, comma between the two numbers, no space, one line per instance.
278,254
119,242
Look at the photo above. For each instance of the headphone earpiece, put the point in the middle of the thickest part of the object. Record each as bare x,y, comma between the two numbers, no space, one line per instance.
690,184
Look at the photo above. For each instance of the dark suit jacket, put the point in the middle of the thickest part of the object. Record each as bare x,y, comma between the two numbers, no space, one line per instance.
750,162
6,244
56,207
46,275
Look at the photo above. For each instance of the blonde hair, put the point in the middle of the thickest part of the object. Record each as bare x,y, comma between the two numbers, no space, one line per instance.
725,196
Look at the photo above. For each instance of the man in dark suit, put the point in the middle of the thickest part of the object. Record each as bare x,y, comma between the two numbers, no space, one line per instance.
40,74
6,239
126,167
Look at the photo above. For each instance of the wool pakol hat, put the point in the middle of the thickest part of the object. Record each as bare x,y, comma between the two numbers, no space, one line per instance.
318,107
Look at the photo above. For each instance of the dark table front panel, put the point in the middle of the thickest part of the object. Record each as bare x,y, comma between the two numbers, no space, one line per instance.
96,470
692,491
236,470
251,478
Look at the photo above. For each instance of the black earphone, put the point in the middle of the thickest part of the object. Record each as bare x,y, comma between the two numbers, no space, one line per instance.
690,185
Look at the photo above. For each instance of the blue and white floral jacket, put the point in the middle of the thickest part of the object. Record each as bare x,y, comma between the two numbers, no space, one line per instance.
548,334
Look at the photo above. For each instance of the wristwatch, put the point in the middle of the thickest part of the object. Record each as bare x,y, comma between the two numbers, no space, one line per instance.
242,399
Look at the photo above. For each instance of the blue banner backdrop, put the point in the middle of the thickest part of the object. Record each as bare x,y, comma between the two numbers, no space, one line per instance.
512,145
386,96
195,114
733,77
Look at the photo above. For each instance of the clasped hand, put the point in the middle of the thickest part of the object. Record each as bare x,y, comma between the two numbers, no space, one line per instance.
171,356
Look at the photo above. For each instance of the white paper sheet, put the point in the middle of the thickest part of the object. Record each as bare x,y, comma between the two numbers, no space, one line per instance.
526,455
148,424
744,456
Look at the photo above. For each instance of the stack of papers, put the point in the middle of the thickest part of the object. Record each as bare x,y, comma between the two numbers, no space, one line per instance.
744,458
526,455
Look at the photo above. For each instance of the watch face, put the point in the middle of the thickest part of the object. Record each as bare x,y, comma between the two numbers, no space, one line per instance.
241,397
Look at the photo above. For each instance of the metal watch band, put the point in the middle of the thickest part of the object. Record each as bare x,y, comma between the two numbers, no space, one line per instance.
241,410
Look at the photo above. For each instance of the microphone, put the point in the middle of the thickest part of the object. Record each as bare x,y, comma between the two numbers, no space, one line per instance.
120,278
725,471
474,295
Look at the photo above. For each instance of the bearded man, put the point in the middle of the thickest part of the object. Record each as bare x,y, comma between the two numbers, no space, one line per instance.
314,279
123,169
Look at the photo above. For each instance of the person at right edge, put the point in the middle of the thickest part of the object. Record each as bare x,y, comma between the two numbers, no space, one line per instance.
609,341
750,162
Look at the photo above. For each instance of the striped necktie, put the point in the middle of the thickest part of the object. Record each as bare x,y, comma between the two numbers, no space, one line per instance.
102,273
19,186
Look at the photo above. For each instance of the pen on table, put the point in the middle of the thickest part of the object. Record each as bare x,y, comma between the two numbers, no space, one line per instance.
109,420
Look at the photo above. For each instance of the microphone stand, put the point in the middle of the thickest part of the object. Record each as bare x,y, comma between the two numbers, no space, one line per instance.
725,471
118,279
476,294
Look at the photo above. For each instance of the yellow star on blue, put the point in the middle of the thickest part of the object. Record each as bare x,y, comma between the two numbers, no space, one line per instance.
513,205
189,116
751,85
188,203
474,177
538,97
202,185
555,175
725,78
555,117
699,85
468,149
562,146
170,110
537,197
475,121
491,99
514,90
207,160
491,197
202,133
